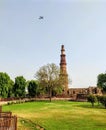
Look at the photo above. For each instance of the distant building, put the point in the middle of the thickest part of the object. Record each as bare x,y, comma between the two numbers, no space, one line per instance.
81,93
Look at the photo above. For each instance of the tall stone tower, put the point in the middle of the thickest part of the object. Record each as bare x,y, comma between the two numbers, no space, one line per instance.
63,69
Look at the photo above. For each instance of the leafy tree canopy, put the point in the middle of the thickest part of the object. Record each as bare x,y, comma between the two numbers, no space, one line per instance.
19,86
101,81
48,77
6,85
33,88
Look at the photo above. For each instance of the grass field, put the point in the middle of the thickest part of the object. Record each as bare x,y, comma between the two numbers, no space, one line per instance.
58,115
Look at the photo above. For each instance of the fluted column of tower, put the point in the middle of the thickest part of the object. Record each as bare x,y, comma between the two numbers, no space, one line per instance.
63,69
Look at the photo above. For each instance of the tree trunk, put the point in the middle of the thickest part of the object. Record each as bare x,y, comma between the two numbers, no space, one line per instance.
0,108
50,94
92,104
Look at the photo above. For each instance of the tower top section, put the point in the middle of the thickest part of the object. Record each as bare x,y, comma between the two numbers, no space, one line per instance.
62,50
62,56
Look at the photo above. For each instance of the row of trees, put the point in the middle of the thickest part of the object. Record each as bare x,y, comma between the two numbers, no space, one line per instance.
48,82
9,88
97,98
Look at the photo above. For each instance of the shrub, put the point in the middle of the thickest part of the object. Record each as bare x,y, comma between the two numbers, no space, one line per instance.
103,100
92,98
98,98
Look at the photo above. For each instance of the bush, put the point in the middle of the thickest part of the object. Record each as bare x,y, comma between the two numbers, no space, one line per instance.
92,98
103,100
98,98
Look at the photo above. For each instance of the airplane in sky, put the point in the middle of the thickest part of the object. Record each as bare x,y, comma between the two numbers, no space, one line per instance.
41,17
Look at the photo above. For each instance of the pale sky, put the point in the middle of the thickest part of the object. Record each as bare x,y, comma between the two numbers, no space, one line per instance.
27,43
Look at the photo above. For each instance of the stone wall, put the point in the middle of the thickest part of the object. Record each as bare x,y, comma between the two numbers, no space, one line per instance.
83,92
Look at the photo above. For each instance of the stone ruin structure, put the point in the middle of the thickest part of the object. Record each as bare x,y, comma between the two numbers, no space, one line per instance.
81,93
75,93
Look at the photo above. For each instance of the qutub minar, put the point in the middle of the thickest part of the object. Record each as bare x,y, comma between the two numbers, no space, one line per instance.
63,69
73,92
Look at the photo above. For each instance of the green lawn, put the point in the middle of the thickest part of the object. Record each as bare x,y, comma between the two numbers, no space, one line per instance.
58,115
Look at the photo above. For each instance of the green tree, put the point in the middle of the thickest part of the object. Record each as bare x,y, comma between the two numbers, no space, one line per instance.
33,88
101,81
92,98
98,98
48,77
19,86
10,90
6,85
57,90
103,100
